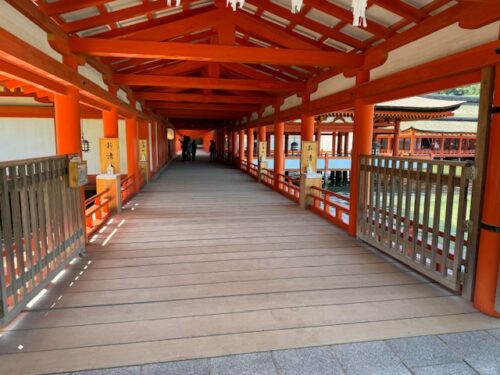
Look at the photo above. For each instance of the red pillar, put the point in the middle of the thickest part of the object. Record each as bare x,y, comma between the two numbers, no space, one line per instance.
307,128
110,123
318,138
234,142
249,148
488,261
67,123
279,156
262,134
395,145
362,145
241,144
154,146
132,149
334,143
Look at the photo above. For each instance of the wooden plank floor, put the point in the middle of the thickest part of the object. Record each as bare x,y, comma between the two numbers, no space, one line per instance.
206,262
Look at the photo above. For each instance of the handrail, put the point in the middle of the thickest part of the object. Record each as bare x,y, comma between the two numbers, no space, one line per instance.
268,177
323,204
287,188
97,213
126,184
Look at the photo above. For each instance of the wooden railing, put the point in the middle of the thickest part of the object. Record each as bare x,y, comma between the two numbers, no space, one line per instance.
127,188
41,227
416,211
331,205
268,178
96,211
253,171
287,187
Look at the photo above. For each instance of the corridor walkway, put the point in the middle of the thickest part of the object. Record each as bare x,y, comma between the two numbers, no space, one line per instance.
205,262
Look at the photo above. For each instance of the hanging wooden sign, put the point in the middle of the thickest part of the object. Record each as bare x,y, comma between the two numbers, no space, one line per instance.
109,154
262,150
143,150
308,157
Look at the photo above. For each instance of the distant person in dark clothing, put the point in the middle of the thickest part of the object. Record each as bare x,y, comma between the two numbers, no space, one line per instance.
194,147
189,149
185,148
213,151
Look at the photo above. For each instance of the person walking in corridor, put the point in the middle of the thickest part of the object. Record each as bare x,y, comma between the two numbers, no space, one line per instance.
194,147
185,146
213,150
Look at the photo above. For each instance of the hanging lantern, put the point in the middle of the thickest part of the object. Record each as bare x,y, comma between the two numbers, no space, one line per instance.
359,12
85,145
296,6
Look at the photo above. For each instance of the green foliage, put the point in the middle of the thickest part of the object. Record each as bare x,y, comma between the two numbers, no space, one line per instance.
470,90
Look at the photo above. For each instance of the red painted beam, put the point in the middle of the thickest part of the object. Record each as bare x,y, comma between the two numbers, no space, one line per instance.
200,98
213,53
208,83
203,106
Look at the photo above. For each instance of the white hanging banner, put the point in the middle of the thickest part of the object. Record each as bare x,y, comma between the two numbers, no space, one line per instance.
296,6
359,12
235,4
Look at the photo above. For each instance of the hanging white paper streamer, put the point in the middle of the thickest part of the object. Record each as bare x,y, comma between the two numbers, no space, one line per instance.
359,12
235,3
177,3
296,6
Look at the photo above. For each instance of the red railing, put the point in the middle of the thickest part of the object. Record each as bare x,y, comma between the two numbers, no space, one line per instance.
332,206
287,187
127,188
253,171
268,178
243,165
96,211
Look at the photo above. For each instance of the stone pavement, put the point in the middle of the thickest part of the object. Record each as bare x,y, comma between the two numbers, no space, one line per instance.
476,352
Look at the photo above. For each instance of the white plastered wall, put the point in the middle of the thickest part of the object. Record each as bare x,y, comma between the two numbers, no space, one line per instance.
23,28
92,74
25,138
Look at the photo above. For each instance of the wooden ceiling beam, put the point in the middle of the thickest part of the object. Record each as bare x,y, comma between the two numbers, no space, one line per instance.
168,30
66,6
131,30
203,106
199,114
201,98
268,31
402,9
346,16
116,16
208,83
299,19
212,53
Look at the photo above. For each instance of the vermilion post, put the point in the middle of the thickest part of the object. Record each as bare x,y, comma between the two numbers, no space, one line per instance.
154,146
132,149
362,145
241,146
249,148
234,141
488,261
110,123
279,157
262,134
67,123
307,128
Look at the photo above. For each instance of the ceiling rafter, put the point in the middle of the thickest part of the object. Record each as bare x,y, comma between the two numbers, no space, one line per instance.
116,16
317,27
